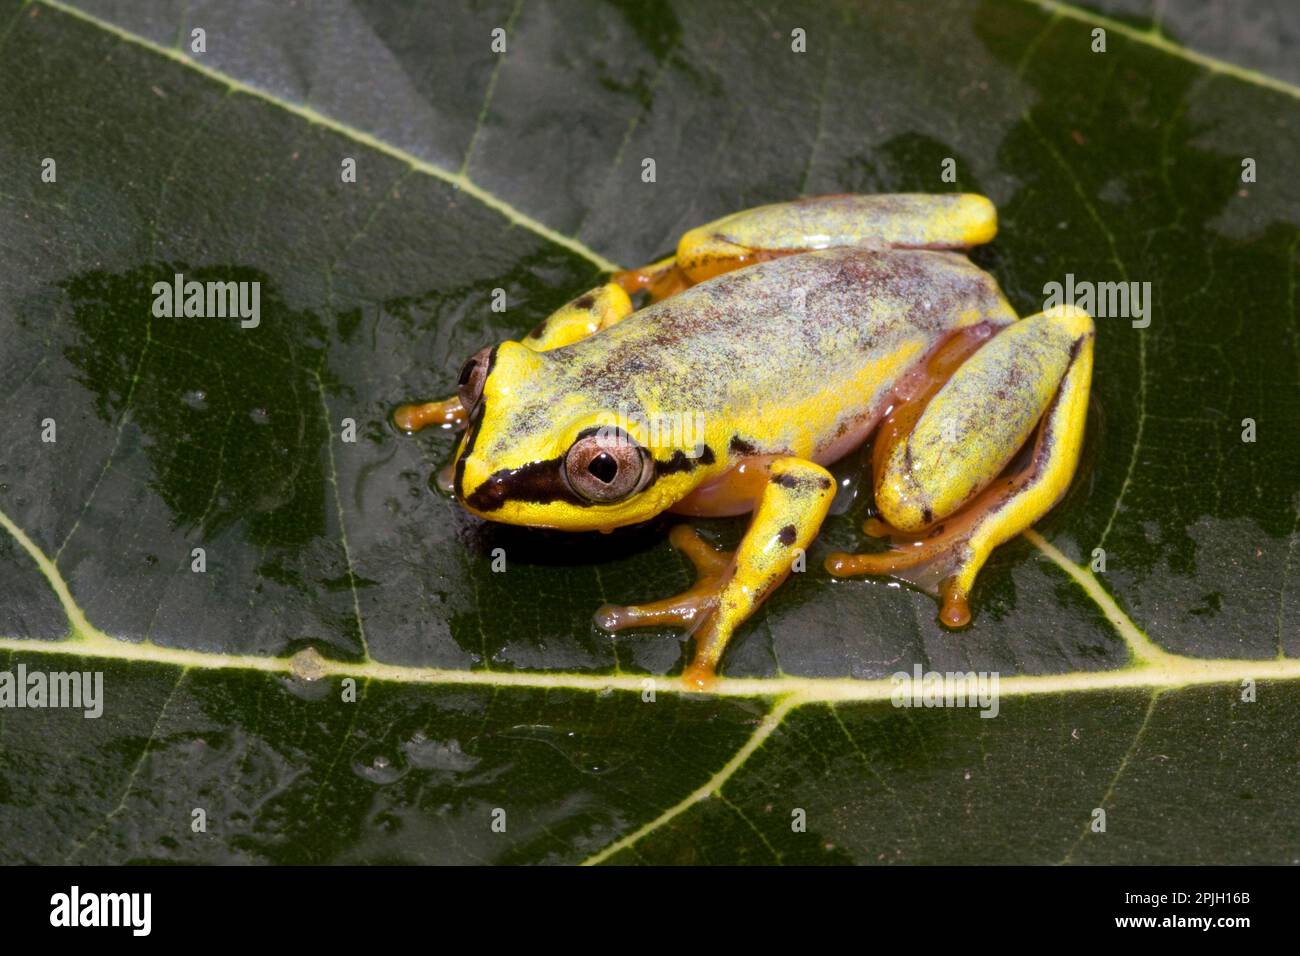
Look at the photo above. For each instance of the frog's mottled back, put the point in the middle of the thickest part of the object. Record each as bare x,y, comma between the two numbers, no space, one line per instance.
831,329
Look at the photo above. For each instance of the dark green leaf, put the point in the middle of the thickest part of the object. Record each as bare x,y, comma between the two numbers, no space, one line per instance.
479,691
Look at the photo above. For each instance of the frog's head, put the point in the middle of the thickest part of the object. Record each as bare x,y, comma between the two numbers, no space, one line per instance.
543,451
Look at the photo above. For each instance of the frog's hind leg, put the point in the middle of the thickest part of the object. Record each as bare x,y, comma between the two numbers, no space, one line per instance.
942,485
792,497
897,221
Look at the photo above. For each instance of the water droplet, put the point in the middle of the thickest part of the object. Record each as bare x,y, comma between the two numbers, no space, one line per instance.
569,745
429,754
260,416
196,399
377,768
307,664
309,690
443,480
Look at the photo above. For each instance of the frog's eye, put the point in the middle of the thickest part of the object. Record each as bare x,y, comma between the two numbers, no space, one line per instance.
472,376
607,465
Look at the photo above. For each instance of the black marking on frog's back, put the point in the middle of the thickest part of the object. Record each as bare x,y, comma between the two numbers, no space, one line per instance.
795,482
680,461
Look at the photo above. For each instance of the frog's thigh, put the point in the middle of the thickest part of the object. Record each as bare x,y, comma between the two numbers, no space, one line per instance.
968,433
791,505
903,221
978,420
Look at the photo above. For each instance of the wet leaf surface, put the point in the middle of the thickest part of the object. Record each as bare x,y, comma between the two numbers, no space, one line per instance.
522,172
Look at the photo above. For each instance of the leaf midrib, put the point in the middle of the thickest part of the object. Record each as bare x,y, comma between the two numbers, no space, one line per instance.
1170,672
1149,665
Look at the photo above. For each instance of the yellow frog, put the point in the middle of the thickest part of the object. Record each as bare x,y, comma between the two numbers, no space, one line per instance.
779,339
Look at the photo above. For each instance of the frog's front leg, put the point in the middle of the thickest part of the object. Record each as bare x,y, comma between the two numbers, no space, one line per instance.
586,315
898,221
792,497
659,279
941,489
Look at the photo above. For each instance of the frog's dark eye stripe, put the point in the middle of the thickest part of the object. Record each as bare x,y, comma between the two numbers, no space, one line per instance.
603,466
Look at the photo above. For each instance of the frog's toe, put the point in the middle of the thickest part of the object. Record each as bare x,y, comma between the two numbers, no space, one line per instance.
707,559
687,609
447,414
680,611
941,568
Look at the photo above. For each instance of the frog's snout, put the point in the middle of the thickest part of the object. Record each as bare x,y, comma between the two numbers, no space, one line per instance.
485,497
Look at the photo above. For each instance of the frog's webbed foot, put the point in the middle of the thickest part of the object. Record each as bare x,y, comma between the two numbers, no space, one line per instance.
942,488
933,562
792,498
691,605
